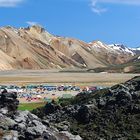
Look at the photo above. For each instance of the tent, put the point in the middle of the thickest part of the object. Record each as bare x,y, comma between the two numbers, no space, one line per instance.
39,96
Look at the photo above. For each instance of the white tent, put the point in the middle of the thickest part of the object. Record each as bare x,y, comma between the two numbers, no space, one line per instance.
39,96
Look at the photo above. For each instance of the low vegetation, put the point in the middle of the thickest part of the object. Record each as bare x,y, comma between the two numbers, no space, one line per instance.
30,106
130,67
112,113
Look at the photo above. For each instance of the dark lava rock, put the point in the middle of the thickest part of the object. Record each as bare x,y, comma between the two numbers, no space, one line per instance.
108,114
23,125
83,114
9,101
51,108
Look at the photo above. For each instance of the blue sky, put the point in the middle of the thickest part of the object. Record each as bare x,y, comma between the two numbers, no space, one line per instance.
110,21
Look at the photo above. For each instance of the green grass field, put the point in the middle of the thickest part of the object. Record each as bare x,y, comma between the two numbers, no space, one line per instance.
30,106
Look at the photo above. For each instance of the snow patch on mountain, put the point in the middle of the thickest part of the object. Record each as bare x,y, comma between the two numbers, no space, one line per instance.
98,46
122,48
135,49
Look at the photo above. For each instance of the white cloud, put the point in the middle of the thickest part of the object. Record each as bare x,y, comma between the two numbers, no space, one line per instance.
32,23
10,3
128,2
96,8
96,4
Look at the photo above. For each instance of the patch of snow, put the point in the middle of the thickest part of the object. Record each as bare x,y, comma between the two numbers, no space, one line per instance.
59,67
50,40
5,36
73,53
103,72
16,31
89,48
84,65
52,63
113,48
99,46
122,48
135,49
100,43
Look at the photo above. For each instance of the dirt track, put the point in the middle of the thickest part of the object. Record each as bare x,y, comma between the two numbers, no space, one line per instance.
55,77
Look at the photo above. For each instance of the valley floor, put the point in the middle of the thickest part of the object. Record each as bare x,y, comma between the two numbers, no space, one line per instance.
21,77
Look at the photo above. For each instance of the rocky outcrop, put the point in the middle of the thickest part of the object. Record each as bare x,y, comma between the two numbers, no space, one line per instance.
8,102
109,114
23,125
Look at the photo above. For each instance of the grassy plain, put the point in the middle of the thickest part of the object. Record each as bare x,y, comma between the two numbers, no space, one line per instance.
23,77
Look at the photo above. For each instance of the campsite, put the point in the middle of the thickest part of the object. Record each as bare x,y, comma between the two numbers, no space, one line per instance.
38,87
36,93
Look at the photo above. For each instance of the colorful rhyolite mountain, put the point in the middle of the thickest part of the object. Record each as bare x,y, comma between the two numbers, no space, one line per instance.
35,48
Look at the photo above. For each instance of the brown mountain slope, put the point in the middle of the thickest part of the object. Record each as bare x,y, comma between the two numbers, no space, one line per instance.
35,48
109,55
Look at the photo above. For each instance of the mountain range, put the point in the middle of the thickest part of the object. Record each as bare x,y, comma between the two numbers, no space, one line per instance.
34,48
